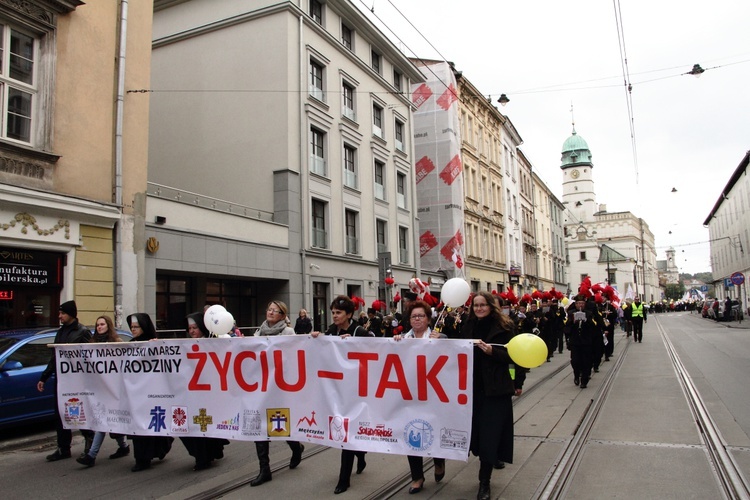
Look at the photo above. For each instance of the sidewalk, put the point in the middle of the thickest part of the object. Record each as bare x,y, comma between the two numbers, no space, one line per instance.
743,325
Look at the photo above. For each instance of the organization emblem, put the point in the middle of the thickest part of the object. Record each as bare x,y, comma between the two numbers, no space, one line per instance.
338,429
74,413
179,420
277,421
419,434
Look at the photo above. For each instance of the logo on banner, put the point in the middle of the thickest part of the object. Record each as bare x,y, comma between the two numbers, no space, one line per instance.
453,244
251,423
338,429
179,420
419,434
420,96
427,242
309,427
278,422
454,439
74,414
203,419
451,171
98,413
422,169
233,424
158,415
380,433
448,97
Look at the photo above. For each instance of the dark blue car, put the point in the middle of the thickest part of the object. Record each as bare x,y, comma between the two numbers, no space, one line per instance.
23,357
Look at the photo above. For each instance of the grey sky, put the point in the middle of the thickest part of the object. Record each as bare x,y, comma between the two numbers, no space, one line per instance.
690,133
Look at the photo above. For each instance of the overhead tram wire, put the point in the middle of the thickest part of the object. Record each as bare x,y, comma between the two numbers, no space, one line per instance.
626,82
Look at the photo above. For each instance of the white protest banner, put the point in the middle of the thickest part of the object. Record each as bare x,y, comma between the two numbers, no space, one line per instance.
365,394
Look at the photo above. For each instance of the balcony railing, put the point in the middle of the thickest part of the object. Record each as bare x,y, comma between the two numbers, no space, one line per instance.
207,202
318,165
319,238
317,93
350,113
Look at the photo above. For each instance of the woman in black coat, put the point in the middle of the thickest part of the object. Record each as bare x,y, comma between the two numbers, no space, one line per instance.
146,448
204,449
496,381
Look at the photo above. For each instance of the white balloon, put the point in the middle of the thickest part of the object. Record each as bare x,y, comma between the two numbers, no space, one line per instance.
210,317
221,324
455,292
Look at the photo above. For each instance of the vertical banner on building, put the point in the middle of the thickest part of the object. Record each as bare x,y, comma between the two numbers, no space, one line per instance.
439,171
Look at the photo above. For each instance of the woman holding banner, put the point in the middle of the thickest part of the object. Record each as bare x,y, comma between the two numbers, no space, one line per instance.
275,324
419,315
204,449
342,310
495,384
146,448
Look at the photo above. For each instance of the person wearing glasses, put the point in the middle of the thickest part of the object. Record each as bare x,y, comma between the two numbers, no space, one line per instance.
495,384
275,324
342,310
420,314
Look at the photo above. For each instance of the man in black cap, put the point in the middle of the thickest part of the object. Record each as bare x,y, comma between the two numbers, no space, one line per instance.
71,332
374,323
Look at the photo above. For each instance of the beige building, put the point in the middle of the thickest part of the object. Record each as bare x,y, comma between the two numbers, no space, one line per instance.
280,159
484,209
530,244
73,156
550,238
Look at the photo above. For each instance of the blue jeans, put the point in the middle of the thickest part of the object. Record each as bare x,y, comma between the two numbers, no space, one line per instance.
99,439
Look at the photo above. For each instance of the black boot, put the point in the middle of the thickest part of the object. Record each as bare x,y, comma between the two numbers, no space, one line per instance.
262,447
484,491
485,473
297,450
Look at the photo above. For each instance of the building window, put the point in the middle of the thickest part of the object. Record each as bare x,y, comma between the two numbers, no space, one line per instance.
352,239
17,84
174,300
316,81
403,245
582,256
347,37
320,305
377,121
399,135
397,79
350,166
316,11
347,92
317,152
376,61
401,190
379,180
381,232
319,234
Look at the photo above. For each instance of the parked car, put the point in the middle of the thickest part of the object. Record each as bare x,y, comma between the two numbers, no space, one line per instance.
23,357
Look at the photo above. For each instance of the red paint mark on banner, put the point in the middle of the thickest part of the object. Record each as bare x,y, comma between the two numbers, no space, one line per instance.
449,97
451,171
420,96
331,375
422,168
427,242
456,241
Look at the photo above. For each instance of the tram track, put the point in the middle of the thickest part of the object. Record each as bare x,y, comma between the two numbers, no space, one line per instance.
726,470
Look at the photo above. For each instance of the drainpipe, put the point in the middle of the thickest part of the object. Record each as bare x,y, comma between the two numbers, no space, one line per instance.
118,189
302,175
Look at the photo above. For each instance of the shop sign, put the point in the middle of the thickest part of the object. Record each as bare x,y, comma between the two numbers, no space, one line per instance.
30,268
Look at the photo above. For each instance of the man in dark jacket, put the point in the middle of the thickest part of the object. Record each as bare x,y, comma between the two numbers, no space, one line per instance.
580,332
71,332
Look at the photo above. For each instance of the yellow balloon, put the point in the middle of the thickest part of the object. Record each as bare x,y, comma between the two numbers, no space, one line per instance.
565,301
527,350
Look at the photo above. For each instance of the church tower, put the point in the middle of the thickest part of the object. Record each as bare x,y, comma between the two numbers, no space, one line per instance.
578,181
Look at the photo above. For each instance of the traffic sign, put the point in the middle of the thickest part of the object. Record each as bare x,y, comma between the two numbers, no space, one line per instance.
728,283
704,288
738,278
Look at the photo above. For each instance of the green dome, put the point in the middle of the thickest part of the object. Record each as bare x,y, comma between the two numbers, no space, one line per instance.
575,152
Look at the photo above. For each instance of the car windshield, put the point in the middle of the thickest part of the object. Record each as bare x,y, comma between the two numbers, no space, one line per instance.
6,344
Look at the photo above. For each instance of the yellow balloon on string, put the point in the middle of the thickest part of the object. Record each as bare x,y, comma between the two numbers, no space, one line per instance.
527,350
